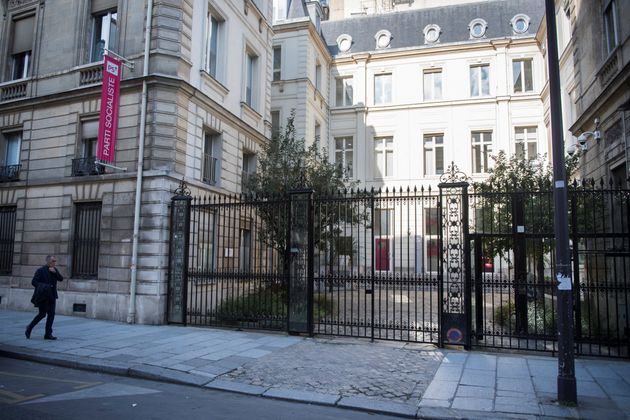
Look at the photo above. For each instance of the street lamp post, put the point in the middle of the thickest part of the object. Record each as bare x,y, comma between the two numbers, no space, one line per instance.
567,393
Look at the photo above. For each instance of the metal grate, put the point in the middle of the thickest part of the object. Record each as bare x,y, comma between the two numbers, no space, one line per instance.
87,234
7,238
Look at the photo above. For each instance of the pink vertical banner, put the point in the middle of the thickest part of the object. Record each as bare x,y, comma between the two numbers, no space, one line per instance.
110,97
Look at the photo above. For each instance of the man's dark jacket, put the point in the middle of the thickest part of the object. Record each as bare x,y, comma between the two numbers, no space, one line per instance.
45,284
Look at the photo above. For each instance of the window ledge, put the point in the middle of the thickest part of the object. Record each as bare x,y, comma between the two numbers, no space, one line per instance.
251,112
214,82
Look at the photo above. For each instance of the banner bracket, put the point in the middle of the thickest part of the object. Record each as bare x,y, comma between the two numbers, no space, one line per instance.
118,168
125,62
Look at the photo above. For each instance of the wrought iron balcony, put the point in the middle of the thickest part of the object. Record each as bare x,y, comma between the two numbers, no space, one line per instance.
86,166
209,170
10,173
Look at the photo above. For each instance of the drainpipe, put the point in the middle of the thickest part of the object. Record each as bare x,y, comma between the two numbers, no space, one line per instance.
625,141
131,316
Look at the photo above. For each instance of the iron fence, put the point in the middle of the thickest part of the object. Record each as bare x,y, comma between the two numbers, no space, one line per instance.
401,264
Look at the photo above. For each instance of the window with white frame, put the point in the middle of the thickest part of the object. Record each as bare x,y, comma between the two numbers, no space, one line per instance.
477,28
432,81
344,91
522,75
526,142
384,157
382,88
277,63
480,80
318,135
279,10
21,47
11,144
214,43
318,76
481,149
104,33
344,155
433,154
610,26
275,123
211,162
251,64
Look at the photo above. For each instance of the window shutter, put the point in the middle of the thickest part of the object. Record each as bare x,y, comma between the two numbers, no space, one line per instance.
23,35
103,5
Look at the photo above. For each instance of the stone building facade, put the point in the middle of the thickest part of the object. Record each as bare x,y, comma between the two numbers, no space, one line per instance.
208,102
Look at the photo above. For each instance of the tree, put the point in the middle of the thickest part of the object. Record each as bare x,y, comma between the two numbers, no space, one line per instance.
286,164
518,186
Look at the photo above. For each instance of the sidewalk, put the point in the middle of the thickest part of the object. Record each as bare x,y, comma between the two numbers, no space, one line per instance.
403,379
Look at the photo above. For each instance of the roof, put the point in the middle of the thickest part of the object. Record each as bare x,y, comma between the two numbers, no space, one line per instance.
407,27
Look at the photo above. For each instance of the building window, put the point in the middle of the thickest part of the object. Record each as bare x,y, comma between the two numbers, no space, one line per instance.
344,42
318,136
251,61
245,259
481,150
211,155
432,80
433,154
84,165
214,44
249,167
383,39
522,73
21,47
277,63
480,80
104,34
610,26
7,238
275,123
344,91
344,155
431,34
520,23
279,10
382,89
318,76
526,142
477,28
384,156
10,155
87,238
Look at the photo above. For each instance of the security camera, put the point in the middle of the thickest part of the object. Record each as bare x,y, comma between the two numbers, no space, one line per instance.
597,135
582,139
571,149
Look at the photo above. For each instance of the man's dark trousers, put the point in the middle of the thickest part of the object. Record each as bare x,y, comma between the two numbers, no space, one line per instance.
46,308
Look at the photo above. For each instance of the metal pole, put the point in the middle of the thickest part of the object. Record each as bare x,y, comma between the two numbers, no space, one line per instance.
567,393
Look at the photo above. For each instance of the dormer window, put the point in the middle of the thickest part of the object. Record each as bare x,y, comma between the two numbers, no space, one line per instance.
344,42
431,34
520,23
383,39
477,28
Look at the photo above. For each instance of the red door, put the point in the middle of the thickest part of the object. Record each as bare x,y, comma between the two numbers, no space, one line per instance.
382,254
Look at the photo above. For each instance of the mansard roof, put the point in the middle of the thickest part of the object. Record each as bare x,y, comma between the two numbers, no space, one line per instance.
406,27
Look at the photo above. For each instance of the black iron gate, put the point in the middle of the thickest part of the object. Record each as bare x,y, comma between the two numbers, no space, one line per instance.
444,266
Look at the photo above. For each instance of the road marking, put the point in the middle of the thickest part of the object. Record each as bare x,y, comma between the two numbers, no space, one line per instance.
81,384
106,390
9,397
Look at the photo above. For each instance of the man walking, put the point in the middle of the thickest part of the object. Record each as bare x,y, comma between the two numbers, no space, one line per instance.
45,296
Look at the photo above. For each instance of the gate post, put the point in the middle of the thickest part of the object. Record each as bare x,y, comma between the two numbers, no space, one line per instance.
178,255
520,263
454,274
300,255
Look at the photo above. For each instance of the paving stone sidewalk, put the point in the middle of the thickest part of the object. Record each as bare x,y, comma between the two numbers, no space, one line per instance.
404,379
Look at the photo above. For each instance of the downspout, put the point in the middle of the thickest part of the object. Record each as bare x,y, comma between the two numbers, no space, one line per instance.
131,316
625,141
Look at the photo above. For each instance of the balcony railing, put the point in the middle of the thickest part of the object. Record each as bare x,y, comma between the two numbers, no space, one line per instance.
209,170
13,90
90,75
86,166
10,173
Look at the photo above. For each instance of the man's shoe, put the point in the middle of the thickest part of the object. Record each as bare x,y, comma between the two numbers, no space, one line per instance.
50,337
27,333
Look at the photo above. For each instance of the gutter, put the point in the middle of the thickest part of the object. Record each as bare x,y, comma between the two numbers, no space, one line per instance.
131,316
